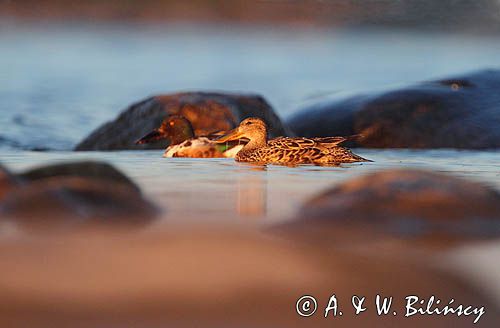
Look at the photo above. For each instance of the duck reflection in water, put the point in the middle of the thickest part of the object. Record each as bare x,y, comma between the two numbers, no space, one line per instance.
252,191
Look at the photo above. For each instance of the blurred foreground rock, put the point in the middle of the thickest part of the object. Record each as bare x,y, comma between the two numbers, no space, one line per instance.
83,169
207,112
217,277
7,181
75,194
456,112
408,204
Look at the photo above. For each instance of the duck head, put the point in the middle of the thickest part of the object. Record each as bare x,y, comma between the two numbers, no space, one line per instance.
174,128
252,128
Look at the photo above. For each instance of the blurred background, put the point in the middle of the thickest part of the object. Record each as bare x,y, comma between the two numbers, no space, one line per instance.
68,66
453,15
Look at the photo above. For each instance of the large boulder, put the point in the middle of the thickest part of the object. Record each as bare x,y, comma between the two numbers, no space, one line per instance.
456,112
408,204
75,194
207,112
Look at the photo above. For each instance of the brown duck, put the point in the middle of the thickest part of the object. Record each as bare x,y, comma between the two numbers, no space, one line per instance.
288,151
183,143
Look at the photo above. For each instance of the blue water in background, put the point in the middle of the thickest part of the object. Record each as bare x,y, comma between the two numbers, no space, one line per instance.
59,82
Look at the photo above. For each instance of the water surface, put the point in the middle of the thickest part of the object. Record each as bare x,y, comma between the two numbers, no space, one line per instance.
221,189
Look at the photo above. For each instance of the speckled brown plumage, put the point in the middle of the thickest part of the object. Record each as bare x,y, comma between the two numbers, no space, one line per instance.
289,151
300,151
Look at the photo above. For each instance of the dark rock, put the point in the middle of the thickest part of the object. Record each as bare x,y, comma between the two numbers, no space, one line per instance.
408,204
75,194
7,181
208,113
456,112
83,169
74,201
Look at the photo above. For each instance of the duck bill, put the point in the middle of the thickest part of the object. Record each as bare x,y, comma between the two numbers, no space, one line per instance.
153,136
231,135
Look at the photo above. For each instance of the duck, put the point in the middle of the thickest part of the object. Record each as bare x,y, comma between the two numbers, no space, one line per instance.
286,150
183,143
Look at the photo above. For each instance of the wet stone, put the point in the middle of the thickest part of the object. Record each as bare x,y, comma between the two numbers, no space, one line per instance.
207,112
404,204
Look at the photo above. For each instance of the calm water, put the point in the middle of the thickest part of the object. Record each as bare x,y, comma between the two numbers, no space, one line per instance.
60,82
220,189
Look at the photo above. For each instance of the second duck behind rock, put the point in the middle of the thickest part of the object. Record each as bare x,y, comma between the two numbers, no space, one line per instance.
183,143
288,151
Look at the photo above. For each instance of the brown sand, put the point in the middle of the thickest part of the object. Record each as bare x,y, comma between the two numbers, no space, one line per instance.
207,277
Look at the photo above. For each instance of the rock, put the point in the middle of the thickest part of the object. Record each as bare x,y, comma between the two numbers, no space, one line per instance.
83,169
233,278
75,194
457,112
7,181
405,204
69,201
208,112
